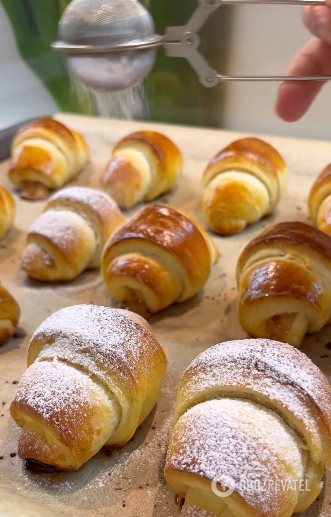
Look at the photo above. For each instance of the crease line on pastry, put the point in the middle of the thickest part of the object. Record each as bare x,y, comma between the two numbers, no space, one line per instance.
310,464
319,207
269,190
252,398
153,175
49,142
150,181
279,254
48,258
78,211
111,396
156,258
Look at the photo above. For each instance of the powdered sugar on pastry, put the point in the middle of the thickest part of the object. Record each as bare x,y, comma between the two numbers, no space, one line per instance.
194,511
94,198
53,388
93,337
59,227
240,441
261,369
95,374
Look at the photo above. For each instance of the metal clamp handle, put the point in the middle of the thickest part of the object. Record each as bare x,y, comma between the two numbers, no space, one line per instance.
183,41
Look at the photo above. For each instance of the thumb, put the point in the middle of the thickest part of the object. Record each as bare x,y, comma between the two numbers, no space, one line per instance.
294,98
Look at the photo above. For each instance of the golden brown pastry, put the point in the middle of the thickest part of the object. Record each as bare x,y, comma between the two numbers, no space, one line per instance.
94,376
45,156
7,211
157,258
319,201
9,315
69,236
253,417
242,184
284,283
144,165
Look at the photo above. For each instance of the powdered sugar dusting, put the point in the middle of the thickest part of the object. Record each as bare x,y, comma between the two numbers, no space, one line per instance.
100,340
95,199
52,389
278,371
194,511
242,441
61,228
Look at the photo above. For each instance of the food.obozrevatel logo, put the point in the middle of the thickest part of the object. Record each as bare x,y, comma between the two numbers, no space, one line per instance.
227,484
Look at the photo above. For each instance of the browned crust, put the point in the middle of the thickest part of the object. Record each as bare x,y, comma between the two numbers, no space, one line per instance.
123,179
81,142
9,310
120,170
324,177
163,148
51,124
295,233
33,158
281,279
246,152
320,190
29,159
7,203
169,229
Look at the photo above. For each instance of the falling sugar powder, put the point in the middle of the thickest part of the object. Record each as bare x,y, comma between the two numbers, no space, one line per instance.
126,104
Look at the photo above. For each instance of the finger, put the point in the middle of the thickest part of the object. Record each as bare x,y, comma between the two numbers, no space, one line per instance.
318,20
294,98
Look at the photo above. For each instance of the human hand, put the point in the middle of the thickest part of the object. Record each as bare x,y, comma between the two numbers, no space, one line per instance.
294,98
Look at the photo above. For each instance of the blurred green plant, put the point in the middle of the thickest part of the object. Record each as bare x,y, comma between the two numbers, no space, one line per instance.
35,24
173,92
172,87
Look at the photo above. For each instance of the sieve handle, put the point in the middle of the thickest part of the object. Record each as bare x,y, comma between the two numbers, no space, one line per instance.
184,42
274,2
272,78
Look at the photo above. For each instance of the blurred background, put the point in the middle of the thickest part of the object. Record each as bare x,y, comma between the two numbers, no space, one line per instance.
242,40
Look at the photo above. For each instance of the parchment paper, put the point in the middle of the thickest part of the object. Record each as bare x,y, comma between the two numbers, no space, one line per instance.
130,482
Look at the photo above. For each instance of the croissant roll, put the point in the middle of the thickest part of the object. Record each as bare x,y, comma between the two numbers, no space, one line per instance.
45,156
69,236
144,165
10,313
242,184
7,211
94,375
284,283
157,258
252,419
319,201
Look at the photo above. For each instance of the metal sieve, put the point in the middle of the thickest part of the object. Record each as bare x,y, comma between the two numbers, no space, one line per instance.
111,44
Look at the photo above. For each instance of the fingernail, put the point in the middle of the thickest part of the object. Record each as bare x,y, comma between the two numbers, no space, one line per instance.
322,23
323,33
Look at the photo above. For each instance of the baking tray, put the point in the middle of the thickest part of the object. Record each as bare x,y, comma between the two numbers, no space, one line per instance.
129,482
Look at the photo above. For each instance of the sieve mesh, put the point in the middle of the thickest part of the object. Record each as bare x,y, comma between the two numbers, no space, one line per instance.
108,23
